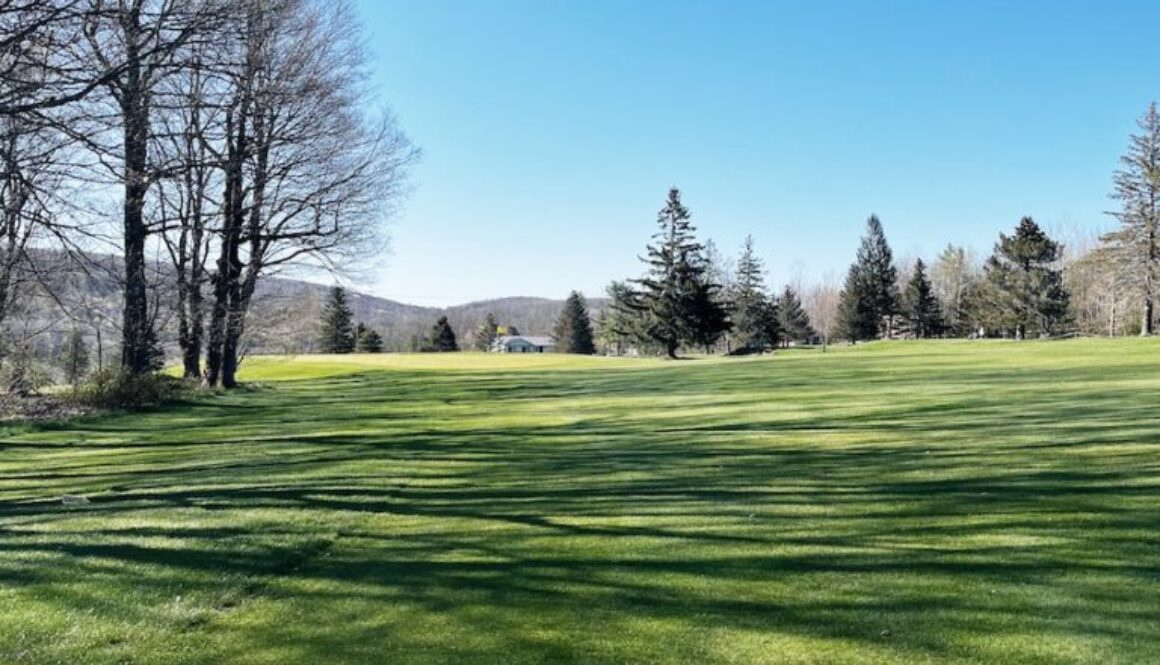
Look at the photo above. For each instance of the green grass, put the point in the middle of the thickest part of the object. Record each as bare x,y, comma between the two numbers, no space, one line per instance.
894,503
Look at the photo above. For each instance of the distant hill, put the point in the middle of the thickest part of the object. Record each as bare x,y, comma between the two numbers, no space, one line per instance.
285,311
399,323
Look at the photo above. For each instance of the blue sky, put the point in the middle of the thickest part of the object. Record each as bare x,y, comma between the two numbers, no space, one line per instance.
552,130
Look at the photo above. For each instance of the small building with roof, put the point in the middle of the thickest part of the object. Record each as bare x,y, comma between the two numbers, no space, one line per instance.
523,344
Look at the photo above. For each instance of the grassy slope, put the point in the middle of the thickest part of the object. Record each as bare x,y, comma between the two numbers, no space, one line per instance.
918,503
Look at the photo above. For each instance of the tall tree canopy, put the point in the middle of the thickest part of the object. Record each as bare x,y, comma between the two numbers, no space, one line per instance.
1025,291
870,298
1135,245
574,328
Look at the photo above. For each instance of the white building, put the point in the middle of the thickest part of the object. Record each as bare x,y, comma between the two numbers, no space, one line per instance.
523,344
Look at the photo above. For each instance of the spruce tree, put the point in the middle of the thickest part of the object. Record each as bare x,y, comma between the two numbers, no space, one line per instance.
708,316
755,318
870,298
442,337
573,331
1135,245
857,315
336,335
792,317
676,301
485,335
368,340
921,311
1025,282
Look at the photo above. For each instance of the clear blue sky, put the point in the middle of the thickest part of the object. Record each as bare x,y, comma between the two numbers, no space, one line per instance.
551,130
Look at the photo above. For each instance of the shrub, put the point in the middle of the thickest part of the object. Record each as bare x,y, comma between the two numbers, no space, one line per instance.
22,376
118,389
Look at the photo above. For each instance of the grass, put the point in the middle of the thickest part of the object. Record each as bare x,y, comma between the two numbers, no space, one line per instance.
894,503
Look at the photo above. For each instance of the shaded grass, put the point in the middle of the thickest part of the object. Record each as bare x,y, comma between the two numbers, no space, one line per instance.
917,503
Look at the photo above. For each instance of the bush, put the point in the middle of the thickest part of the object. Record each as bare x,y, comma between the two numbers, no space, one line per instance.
118,389
22,376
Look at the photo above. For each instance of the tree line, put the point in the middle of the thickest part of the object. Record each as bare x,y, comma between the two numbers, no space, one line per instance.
689,297
1030,284
206,143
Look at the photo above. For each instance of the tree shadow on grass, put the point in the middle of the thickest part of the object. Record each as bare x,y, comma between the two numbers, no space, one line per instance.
900,527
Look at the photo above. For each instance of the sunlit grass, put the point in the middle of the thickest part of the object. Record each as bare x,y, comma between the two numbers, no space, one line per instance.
942,502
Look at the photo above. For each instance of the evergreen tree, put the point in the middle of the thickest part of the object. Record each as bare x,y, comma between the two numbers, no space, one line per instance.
621,322
857,315
1025,283
368,340
792,317
442,337
336,334
485,335
708,316
74,358
675,299
870,298
574,329
1135,246
755,316
921,311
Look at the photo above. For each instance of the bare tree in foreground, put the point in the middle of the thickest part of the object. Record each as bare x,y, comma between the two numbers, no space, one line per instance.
308,178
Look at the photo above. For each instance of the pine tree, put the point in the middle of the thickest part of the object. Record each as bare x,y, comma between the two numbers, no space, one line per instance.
442,337
1025,283
336,334
74,358
368,340
574,328
1136,244
792,317
754,314
675,299
870,297
485,335
920,309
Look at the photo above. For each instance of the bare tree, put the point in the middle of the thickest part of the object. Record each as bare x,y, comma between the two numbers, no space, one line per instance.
42,64
308,179
821,302
1136,244
138,42
191,127
952,275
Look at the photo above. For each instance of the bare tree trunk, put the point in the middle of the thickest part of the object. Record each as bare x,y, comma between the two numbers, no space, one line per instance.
225,280
135,339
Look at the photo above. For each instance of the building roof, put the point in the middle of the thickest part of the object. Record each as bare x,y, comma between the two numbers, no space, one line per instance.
534,340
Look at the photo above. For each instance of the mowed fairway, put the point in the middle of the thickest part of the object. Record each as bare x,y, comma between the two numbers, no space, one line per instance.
944,502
